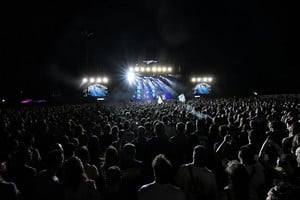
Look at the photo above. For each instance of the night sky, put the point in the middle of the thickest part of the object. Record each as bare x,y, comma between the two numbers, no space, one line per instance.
243,44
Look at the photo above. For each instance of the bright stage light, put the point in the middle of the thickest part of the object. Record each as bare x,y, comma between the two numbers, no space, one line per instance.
99,80
159,69
164,69
130,77
209,79
148,69
105,80
136,69
131,69
92,80
204,79
154,69
84,80
198,79
193,80
142,69
169,69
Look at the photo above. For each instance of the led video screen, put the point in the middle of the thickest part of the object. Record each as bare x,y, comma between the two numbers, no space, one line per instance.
96,90
202,88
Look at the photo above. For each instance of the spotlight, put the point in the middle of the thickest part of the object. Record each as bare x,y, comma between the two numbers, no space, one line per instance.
84,80
99,80
148,69
193,80
130,77
105,80
131,69
198,79
204,79
164,69
92,80
159,69
209,79
169,69
136,69
142,69
153,69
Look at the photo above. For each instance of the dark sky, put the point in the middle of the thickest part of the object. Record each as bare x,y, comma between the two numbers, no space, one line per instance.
244,44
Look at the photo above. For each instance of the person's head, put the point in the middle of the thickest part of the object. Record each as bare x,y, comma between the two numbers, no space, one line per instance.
274,125
69,150
223,130
237,173
147,126
107,129
199,156
113,176
141,131
189,127
28,139
75,142
23,155
83,154
129,151
287,163
159,129
247,155
55,159
3,159
283,192
180,126
253,137
254,124
110,157
56,146
162,168
73,172
294,129
200,123
115,131
238,180
297,154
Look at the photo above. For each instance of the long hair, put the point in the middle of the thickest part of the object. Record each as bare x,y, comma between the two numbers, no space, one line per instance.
73,172
110,157
238,180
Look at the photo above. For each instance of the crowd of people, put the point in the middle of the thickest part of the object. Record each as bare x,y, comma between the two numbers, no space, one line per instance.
203,149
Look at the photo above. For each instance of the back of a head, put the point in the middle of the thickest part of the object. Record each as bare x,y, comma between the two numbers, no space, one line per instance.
159,129
180,126
223,130
247,155
200,123
147,126
110,157
141,131
73,171
69,150
200,155
162,169
254,137
83,154
238,173
55,159
189,126
3,159
288,163
284,192
129,150
113,175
